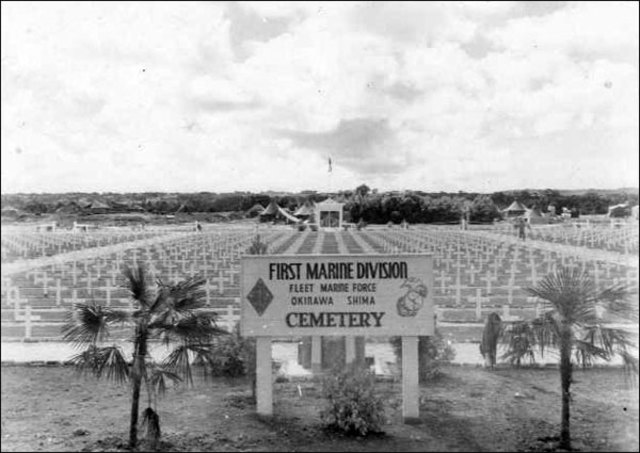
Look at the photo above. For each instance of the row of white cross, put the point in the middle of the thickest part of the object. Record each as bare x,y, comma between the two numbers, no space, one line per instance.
211,252
480,258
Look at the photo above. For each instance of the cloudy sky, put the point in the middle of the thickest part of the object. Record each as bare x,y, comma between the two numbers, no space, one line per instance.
225,96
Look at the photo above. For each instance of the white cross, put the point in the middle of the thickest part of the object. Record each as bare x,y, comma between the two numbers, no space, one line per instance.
28,318
443,279
488,279
472,274
107,289
510,288
457,287
479,300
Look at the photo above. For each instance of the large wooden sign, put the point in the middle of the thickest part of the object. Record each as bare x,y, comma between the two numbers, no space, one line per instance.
349,295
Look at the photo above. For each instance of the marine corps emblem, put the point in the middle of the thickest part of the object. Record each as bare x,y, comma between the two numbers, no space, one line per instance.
412,301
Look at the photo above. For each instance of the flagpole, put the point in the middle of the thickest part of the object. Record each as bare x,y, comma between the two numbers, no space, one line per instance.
330,176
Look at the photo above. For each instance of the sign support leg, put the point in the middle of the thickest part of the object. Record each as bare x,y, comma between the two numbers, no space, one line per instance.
264,390
316,354
350,349
410,388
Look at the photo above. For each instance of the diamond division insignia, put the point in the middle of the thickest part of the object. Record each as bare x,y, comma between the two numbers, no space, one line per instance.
260,297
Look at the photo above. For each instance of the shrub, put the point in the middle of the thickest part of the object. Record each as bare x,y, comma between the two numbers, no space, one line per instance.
233,355
257,247
519,341
433,352
352,405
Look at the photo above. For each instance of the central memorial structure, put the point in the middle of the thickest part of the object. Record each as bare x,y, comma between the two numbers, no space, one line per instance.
337,295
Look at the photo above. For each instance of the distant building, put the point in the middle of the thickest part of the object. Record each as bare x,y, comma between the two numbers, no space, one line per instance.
305,212
326,214
98,207
329,213
515,209
535,217
619,211
273,212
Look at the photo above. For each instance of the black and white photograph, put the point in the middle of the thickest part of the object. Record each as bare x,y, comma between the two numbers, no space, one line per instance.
320,226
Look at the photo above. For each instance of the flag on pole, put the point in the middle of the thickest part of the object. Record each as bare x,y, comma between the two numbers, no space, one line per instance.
329,164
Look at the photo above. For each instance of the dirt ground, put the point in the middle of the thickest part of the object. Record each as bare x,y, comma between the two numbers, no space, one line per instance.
467,409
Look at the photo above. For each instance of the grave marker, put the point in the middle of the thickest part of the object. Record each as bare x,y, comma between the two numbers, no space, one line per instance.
27,318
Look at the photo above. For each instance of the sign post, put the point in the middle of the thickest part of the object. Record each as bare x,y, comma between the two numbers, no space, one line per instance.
316,354
410,386
337,295
264,389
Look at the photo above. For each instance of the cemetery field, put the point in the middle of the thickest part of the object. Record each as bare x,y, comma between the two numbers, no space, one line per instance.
477,271
467,409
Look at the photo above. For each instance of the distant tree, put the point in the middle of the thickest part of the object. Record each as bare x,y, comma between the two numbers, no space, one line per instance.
447,209
362,190
483,209
410,208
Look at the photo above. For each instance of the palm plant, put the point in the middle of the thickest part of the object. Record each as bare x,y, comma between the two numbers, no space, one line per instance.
169,313
574,324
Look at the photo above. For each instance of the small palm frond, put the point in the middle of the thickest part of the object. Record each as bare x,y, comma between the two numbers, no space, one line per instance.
86,324
114,316
136,283
87,361
202,353
568,289
585,352
160,377
113,365
546,331
161,297
198,327
178,362
608,339
181,359
188,294
617,302
630,363
106,361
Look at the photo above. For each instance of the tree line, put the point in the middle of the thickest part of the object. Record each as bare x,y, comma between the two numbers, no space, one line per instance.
362,203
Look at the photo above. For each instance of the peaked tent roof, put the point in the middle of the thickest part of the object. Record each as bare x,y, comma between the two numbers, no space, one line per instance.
256,208
516,206
83,203
271,209
98,205
305,209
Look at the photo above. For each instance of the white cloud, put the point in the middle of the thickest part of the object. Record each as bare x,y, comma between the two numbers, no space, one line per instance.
584,28
170,96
